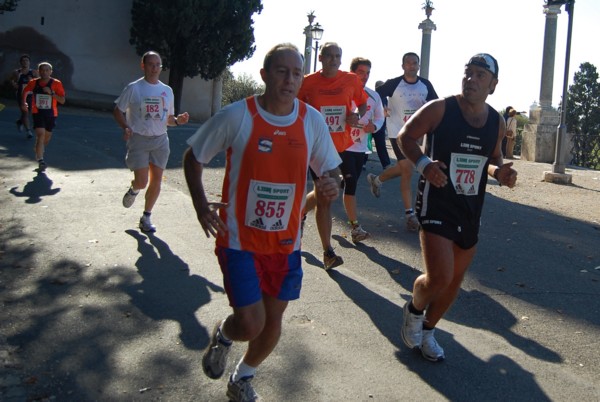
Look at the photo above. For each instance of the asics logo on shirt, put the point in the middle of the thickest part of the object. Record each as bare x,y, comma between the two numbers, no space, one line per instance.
277,132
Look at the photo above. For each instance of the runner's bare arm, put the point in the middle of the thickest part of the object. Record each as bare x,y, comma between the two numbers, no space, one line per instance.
503,172
205,211
424,121
122,122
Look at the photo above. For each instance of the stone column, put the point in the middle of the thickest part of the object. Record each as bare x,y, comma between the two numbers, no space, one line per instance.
427,26
308,42
549,55
539,136
307,49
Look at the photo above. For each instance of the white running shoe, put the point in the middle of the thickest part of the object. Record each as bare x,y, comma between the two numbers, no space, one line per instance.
359,234
146,225
412,223
375,188
215,356
412,327
242,390
430,349
129,197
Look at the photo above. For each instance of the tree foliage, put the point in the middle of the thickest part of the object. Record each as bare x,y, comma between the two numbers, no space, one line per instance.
583,116
236,88
8,5
194,37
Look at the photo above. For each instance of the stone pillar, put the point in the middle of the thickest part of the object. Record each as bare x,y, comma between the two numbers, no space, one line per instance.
307,49
427,26
308,42
549,55
539,136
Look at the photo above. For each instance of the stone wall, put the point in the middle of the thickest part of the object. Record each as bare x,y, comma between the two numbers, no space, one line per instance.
87,43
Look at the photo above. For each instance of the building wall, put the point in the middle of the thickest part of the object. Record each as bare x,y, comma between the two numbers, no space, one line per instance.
87,42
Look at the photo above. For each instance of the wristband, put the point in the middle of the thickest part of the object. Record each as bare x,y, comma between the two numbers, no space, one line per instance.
495,175
422,163
175,118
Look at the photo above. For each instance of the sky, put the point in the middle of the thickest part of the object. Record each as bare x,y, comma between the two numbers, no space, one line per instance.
383,30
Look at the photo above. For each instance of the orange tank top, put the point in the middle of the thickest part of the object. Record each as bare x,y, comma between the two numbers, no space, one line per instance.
271,182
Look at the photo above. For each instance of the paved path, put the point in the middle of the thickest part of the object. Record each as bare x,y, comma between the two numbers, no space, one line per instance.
93,310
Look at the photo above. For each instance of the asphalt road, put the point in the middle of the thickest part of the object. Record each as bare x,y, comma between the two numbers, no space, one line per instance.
94,310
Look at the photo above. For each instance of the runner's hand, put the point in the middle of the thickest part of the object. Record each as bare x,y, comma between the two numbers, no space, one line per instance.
327,187
352,119
183,118
210,220
369,127
507,176
127,132
434,174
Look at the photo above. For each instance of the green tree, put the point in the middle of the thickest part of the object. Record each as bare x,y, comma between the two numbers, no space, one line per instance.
8,5
236,88
194,37
583,116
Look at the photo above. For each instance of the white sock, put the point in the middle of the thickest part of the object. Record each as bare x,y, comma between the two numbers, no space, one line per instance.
222,335
242,370
377,181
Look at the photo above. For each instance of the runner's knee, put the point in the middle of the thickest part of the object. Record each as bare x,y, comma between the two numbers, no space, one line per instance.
349,184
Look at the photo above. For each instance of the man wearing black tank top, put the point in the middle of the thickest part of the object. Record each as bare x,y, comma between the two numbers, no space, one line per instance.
463,147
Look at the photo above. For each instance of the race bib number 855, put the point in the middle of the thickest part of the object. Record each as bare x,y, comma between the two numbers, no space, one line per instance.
269,205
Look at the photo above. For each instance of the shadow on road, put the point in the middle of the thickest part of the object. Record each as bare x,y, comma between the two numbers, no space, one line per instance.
168,291
40,186
467,378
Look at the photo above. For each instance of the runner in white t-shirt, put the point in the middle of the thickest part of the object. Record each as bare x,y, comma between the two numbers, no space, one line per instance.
405,95
144,110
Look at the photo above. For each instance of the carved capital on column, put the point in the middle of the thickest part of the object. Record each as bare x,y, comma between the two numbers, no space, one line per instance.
551,11
427,26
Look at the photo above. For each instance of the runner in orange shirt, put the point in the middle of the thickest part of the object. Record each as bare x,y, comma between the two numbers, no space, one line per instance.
332,92
47,93
269,140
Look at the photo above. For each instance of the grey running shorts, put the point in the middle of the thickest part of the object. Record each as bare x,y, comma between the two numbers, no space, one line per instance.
143,150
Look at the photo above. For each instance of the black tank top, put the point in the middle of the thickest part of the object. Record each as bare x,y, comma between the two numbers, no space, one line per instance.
465,150
22,81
